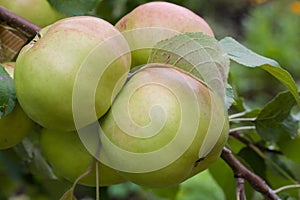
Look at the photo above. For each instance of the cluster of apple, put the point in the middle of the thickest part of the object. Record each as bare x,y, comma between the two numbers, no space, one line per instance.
147,125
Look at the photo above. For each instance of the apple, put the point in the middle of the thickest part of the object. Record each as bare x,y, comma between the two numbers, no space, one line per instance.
69,159
16,125
152,22
67,76
39,12
163,127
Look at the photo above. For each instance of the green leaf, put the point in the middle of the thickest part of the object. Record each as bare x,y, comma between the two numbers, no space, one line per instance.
254,161
277,164
68,195
240,54
198,55
74,7
200,186
223,175
32,155
229,99
274,122
165,192
7,93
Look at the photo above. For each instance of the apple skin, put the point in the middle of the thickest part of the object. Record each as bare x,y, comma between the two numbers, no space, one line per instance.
160,86
16,125
47,70
14,128
70,159
39,12
162,19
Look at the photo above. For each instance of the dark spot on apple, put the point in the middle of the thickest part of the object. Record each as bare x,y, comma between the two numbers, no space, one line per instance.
198,161
39,35
168,58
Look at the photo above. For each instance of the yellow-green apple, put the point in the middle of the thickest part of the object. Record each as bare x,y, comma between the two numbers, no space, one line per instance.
70,159
39,12
73,68
152,22
16,125
163,128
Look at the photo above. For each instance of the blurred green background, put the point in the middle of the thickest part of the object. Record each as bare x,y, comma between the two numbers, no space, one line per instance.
270,28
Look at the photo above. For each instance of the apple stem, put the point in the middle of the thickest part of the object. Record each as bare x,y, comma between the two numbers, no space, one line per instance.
15,21
97,182
242,128
241,171
247,119
237,115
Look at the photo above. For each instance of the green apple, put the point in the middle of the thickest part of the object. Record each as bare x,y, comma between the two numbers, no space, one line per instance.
39,12
78,59
163,128
69,159
152,22
16,125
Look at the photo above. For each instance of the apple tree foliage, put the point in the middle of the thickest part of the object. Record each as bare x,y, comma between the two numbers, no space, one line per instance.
8,100
264,139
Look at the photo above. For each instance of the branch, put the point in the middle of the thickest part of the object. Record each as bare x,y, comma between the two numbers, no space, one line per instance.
236,135
240,187
19,23
241,171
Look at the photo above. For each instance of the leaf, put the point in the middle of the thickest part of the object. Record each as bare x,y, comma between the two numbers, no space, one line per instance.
31,154
229,99
274,122
200,186
254,161
68,195
7,93
219,170
224,176
240,54
197,54
165,192
74,7
277,164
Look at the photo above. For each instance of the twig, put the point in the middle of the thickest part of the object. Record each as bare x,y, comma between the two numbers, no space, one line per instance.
237,115
244,119
19,23
236,135
242,128
255,181
287,187
240,187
